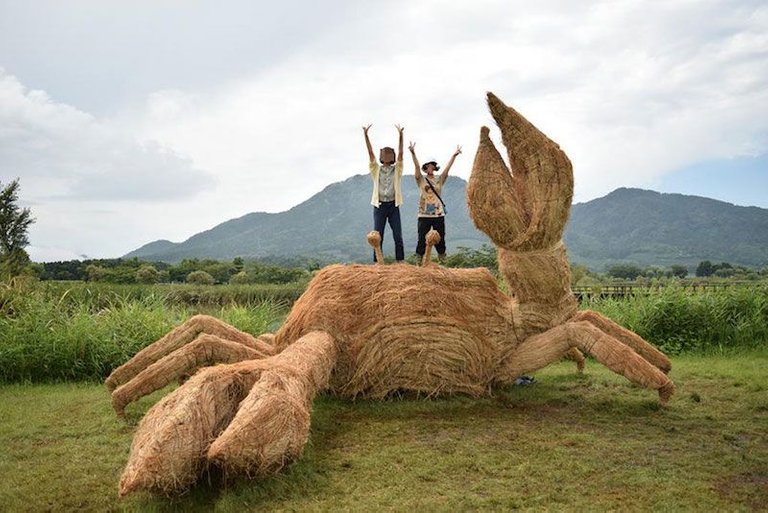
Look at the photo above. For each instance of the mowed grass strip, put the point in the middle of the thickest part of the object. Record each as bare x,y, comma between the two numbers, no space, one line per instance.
569,442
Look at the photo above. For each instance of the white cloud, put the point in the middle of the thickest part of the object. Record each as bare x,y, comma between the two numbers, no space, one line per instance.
62,152
624,90
630,90
84,178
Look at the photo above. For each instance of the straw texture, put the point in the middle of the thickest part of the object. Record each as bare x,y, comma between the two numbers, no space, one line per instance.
251,416
432,238
179,337
374,239
427,329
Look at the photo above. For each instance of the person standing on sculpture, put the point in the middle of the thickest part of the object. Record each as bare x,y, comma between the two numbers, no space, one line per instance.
387,194
431,206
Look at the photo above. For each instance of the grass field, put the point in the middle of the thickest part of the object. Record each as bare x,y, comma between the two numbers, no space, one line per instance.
570,442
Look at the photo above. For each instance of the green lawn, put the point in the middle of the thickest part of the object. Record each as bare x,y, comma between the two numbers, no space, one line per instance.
569,442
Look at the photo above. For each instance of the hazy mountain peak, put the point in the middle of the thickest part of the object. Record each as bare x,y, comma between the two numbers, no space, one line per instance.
627,225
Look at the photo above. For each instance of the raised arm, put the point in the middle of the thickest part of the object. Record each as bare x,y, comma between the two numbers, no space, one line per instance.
400,143
371,156
417,167
444,176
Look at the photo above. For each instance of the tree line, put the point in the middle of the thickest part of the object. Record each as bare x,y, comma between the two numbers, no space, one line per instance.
704,269
242,271
209,272
193,270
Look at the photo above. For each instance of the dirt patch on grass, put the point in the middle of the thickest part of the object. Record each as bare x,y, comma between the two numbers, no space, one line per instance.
748,488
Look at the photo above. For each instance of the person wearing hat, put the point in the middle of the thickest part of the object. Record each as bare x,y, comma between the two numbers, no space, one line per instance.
431,205
387,195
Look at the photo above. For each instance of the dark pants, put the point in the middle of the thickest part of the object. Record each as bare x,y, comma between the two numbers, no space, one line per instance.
389,212
425,223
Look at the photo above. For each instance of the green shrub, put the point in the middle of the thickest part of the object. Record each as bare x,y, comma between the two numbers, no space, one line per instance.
200,278
147,274
240,278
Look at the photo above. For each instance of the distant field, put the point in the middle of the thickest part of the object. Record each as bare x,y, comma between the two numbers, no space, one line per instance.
590,442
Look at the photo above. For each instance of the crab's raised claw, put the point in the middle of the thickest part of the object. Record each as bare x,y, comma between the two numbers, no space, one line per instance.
527,209
497,200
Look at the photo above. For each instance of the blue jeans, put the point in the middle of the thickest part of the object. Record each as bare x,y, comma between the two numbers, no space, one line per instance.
387,211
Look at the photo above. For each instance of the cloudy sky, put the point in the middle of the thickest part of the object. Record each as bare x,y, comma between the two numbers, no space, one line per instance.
128,122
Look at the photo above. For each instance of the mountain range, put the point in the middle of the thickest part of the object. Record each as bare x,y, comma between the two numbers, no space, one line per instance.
626,226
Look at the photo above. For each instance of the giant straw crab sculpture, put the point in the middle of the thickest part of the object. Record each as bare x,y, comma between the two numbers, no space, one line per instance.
369,330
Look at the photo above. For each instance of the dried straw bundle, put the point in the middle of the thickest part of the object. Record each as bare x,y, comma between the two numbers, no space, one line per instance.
180,336
544,348
631,339
524,212
272,425
432,238
205,350
427,329
527,208
371,330
211,418
374,239
169,449
541,282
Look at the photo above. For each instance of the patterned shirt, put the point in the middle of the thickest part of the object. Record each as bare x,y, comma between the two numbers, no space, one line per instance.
429,204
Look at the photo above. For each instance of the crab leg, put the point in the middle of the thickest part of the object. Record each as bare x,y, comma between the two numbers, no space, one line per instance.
631,339
180,336
541,350
205,350
575,355
259,410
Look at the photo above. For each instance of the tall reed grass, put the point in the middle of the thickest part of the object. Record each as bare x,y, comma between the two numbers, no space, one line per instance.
57,332
81,333
172,294
679,320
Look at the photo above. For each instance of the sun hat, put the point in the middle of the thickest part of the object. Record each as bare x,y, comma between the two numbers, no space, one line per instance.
433,162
